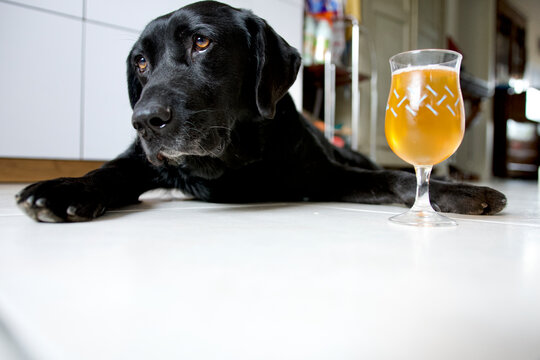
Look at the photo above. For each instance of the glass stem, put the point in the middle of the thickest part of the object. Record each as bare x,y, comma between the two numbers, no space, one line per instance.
422,203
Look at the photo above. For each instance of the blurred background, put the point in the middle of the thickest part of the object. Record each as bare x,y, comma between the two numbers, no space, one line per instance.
64,107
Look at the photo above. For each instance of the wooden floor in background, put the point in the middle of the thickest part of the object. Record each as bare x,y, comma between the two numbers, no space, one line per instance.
30,170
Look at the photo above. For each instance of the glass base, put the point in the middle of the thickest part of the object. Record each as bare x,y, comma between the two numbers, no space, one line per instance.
423,218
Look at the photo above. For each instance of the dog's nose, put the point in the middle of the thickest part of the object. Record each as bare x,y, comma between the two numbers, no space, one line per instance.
151,116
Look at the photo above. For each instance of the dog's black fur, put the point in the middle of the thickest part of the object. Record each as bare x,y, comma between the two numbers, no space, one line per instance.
208,86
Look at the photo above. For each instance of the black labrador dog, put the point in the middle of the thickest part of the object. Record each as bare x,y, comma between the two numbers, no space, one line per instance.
209,89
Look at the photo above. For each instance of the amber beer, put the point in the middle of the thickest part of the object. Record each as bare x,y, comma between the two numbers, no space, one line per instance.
425,121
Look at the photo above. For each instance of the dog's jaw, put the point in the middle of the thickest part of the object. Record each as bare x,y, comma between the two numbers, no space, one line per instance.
175,155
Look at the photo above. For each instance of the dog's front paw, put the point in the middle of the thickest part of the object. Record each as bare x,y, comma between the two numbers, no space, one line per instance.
61,200
467,199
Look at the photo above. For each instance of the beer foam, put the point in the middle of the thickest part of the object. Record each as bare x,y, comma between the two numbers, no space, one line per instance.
425,67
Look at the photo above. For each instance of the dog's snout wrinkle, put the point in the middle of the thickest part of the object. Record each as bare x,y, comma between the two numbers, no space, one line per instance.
153,116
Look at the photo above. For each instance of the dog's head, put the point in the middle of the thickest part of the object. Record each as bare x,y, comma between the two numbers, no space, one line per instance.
195,71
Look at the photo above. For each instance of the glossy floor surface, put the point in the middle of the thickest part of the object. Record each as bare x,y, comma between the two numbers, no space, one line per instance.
174,278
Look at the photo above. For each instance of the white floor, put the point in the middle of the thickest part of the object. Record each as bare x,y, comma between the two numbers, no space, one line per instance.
179,279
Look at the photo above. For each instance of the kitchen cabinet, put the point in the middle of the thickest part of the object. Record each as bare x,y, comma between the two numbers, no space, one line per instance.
63,89
134,15
71,7
107,129
40,90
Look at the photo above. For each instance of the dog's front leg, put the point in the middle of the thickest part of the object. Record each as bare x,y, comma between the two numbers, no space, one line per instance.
117,183
399,187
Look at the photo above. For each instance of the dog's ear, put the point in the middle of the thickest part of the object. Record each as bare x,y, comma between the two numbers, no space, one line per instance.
277,65
134,85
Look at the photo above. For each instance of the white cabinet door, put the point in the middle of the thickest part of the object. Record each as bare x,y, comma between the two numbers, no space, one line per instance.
40,116
107,127
41,84
71,7
136,14
133,14
285,16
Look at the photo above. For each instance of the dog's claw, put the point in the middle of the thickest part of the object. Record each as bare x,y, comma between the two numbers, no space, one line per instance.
71,211
99,211
47,216
30,200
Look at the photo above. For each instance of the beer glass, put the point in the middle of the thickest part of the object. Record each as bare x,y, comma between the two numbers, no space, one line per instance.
425,121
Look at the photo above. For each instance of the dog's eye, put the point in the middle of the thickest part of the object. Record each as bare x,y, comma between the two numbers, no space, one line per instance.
141,63
201,42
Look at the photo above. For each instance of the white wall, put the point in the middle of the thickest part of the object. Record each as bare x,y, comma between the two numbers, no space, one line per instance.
531,10
63,90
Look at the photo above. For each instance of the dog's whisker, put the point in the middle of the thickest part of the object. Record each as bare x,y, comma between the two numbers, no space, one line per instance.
220,127
204,150
194,112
